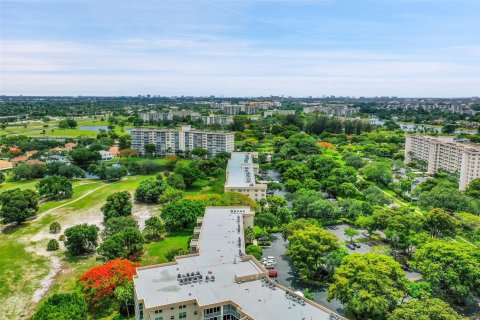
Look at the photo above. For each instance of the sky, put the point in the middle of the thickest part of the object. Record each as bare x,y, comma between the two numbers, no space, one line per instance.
405,48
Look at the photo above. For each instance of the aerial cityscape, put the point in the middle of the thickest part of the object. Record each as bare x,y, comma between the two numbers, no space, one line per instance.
239,160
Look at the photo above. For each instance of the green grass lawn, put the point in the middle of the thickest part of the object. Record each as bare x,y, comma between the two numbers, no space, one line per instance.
154,252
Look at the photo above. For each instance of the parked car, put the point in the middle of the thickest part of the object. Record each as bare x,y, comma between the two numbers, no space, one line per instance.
357,245
271,258
273,273
269,266
350,246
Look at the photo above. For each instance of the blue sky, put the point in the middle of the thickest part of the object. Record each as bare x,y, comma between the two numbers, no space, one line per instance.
415,48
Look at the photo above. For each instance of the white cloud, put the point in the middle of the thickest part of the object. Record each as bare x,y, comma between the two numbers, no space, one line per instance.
210,65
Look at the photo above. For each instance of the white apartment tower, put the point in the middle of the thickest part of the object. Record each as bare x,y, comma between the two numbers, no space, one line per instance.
447,153
241,173
218,281
170,141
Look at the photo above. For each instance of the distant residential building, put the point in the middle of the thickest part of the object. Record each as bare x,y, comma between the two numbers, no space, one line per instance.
70,145
157,116
215,119
31,153
106,155
447,153
5,165
233,109
171,141
19,159
241,171
339,110
270,113
218,280
57,158
113,150
34,162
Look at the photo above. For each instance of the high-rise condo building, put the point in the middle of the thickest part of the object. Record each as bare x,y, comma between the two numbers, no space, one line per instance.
447,153
171,141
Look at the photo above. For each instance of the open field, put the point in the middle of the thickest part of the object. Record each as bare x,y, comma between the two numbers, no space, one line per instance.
27,270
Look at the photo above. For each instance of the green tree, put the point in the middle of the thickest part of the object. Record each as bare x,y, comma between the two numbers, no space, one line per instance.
81,238
473,189
125,296
448,199
323,209
52,245
255,251
199,152
176,181
83,157
117,224
449,128
301,199
182,213
55,187
18,205
369,285
375,196
150,149
127,243
425,309
189,172
309,248
28,171
63,306
267,220
118,204
149,191
170,195
154,228
439,223
275,203
55,227
379,172
350,232
452,268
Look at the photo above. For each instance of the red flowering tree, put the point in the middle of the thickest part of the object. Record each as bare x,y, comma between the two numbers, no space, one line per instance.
99,283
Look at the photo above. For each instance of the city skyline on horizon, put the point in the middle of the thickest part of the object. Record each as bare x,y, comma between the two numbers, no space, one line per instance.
407,49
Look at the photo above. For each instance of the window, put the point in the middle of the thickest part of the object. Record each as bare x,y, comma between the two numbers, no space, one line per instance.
182,315
158,318
172,317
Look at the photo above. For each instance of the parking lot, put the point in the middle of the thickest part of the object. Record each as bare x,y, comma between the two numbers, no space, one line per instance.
339,231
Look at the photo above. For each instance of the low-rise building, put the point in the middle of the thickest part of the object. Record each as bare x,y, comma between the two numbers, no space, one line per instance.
106,155
270,113
447,153
339,110
241,171
233,109
171,141
5,165
215,119
218,281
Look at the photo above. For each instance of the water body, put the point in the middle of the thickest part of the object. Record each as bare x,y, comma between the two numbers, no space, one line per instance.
287,276
419,127
94,128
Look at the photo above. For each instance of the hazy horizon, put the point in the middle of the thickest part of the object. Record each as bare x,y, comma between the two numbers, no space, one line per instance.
403,48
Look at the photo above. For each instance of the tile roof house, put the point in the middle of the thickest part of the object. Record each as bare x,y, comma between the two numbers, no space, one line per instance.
70,145
113,150
19,159
34,162
5,165
31,153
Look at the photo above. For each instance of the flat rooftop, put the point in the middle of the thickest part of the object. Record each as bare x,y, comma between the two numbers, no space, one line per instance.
221,246
240,170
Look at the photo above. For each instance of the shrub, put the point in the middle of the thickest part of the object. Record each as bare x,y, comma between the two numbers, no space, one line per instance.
63,306
52,245
255,251
55,227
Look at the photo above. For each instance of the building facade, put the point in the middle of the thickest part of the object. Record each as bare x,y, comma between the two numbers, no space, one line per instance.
241,173
171,141
447,153
218,281
339,110
234,109
270,113
214,119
